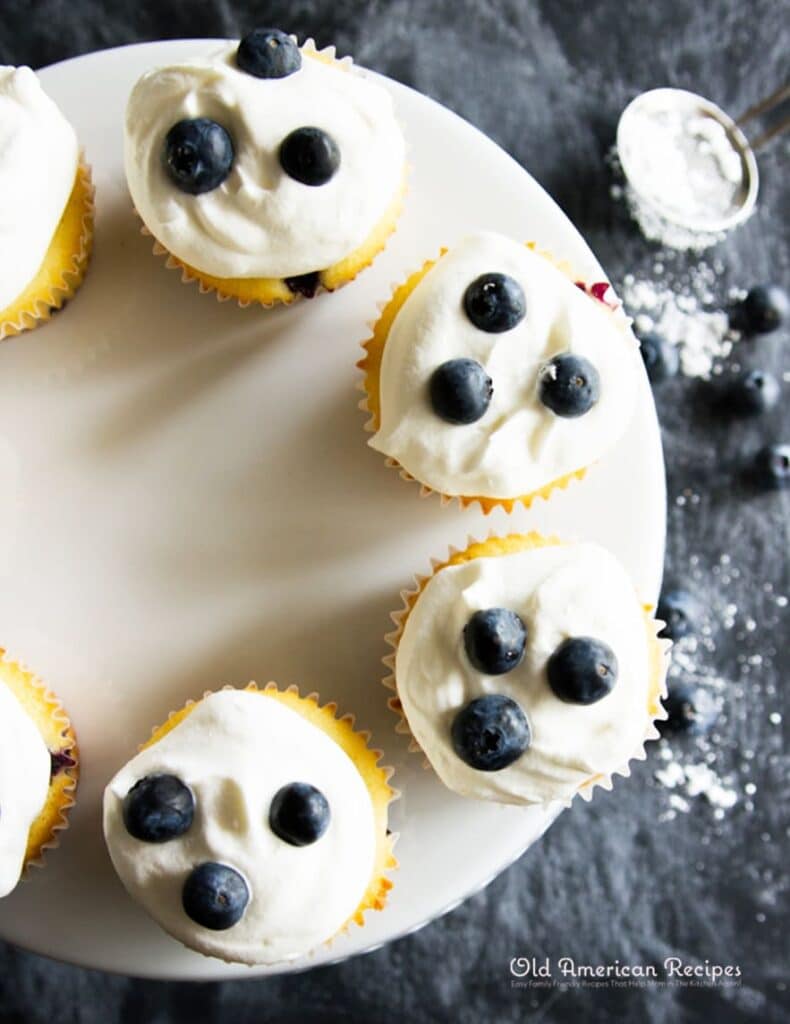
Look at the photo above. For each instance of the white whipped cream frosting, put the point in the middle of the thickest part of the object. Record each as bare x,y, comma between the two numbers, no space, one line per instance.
559,592
39,156
25,767
260,222
519,445
235,751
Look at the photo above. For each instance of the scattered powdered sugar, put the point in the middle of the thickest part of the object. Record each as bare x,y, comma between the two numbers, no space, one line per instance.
680,311
693,779
717,770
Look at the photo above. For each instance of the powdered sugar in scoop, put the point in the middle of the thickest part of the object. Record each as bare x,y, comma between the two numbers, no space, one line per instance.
686,180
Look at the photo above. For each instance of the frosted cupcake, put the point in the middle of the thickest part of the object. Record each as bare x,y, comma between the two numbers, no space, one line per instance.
265,171
38,771
493,376
527,670
253,825
46,231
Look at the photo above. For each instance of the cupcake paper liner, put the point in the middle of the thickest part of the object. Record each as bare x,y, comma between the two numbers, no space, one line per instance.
366,759
47,713
510,543
274,291
63,267
369,385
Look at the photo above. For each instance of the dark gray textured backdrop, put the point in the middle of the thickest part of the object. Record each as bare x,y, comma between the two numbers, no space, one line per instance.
547,81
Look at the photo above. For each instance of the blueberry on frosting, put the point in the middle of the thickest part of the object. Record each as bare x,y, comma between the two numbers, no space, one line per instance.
215,896
495,303
460,391
490,733
495,640
158,808
198,155
299,814
569,385
268,53
582,670
310,155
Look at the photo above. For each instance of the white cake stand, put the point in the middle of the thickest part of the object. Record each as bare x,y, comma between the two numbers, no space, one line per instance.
188,501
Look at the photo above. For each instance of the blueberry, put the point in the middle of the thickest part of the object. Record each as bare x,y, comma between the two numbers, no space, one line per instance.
268,53
763,309
490,733
299,814
309,155
495,639
754,392
660,356
681,612
569,385
198,155
158,808
691,708
582,670
60,761
460,390
495,303
772,466
215,896
304,284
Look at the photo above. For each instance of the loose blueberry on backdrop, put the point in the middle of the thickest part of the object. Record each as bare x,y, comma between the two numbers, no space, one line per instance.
661,357
495,639
772,466
460,391
215,896
299,814
198,155
569,385
490,733
268,53
309,155
582,670
495,303
691,708
681,612
765,307
755,391
158,808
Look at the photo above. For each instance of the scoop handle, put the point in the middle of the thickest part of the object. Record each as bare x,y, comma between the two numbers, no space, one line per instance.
771,103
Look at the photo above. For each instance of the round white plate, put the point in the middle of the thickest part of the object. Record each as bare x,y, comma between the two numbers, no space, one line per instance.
188,500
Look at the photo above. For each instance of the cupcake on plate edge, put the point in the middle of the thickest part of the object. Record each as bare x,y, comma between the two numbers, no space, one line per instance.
493,376
527,669
253,825
46,234
39,770
266,172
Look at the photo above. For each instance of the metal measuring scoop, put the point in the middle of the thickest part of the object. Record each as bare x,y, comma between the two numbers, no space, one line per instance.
666,104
